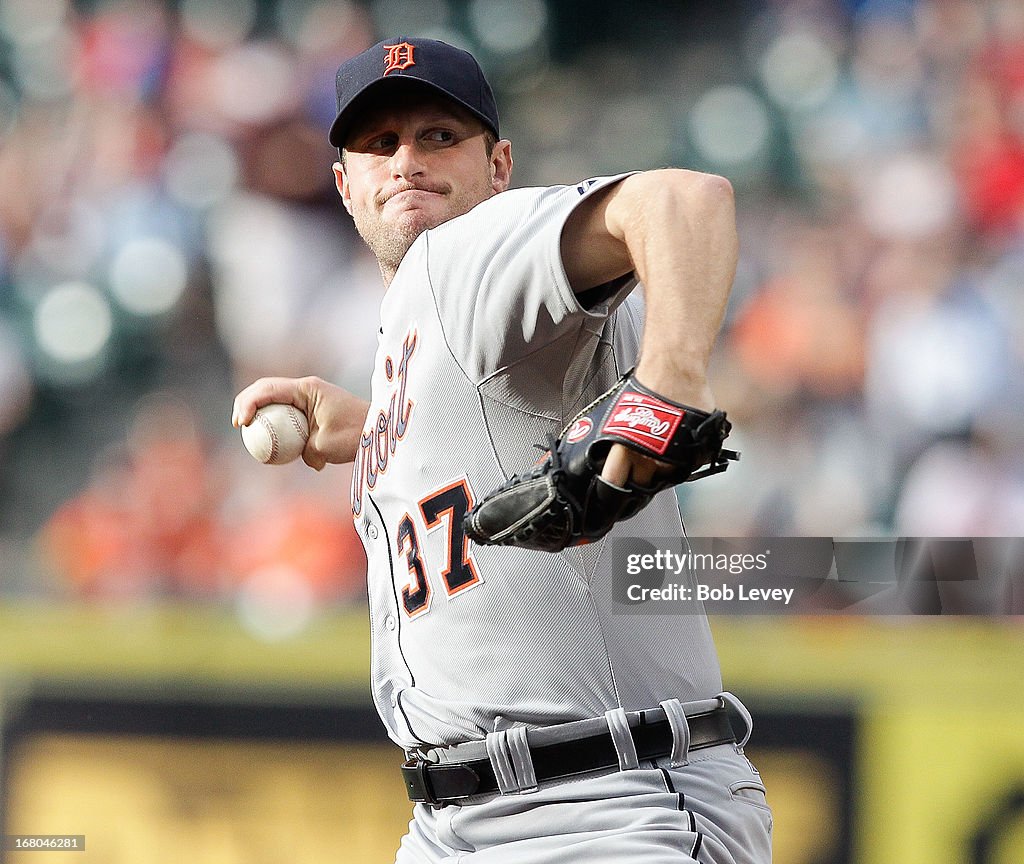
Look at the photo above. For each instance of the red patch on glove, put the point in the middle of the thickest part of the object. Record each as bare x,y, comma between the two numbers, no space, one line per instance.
644,420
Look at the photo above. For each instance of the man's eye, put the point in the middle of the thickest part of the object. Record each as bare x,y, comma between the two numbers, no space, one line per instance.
381,142
440,135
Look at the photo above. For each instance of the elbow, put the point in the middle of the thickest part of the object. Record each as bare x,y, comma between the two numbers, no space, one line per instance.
715,184
720,189
708,194
694,192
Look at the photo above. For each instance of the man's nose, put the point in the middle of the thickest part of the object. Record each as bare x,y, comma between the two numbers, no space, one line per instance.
406,162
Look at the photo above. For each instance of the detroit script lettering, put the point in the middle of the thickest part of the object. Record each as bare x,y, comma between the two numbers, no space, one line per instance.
379,440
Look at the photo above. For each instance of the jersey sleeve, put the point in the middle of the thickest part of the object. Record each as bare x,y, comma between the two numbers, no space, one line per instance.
498,281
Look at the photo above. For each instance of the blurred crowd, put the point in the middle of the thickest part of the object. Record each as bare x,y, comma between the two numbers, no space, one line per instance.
169,231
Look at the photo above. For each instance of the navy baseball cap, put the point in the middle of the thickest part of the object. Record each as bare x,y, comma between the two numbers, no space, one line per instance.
438,66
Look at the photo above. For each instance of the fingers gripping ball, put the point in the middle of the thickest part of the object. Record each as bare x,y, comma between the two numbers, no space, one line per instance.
564,501
277,434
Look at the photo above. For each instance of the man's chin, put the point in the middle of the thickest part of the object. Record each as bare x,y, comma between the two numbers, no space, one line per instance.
415,220
390,244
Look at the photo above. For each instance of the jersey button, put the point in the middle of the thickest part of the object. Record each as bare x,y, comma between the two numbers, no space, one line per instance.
372,531
390,622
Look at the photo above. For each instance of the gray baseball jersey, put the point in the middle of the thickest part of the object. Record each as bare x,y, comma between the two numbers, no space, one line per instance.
484,351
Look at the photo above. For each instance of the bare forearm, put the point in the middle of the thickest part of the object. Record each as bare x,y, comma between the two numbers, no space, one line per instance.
680,232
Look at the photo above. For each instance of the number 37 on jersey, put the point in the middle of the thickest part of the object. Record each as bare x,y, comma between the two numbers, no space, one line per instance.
443,511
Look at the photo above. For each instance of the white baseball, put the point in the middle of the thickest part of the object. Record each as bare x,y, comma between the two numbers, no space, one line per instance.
277,434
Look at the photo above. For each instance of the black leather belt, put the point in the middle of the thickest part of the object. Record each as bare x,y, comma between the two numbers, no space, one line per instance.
446,782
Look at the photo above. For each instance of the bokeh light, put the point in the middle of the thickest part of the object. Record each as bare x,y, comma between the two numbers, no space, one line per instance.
275,603
730,127
800,70
910,195
148,276
508,26
72,326
201,169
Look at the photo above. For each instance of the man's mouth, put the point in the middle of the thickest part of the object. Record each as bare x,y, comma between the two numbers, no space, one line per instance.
410,193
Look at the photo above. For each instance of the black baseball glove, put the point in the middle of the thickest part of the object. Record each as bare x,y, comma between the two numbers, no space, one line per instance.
564,501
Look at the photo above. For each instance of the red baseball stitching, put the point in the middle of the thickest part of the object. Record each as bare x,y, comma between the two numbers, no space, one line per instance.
293,415
273,436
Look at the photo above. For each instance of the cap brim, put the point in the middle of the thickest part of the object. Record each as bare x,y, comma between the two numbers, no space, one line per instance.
375,90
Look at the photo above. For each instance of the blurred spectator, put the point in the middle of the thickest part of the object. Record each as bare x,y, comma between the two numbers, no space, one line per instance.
962,489
799,337
145,526
86,543
161,518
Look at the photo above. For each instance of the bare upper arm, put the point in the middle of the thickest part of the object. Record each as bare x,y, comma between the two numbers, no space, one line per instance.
591,254
593,244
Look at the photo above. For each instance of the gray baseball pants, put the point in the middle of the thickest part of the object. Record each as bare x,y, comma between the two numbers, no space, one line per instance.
712,810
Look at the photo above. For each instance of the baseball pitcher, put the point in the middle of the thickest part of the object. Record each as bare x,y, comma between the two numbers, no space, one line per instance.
538,726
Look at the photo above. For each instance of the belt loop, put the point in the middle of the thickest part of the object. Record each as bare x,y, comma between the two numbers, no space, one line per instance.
676,717
741,709
509,752
622,738
522,759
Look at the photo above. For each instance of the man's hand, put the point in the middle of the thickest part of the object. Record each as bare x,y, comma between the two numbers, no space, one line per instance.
624,465
335,416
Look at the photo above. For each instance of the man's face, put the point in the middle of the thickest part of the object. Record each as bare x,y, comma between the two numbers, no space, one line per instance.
412,164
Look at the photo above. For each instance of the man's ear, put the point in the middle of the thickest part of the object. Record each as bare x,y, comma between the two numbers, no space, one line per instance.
501,165
341,181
